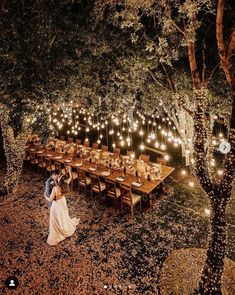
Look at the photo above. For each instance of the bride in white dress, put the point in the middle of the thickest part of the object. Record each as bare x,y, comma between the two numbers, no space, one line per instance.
61,225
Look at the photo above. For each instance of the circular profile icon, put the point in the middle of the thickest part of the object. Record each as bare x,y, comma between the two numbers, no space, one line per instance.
12,283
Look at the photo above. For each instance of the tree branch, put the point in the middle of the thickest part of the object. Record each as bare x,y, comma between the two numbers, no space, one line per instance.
193,65
225,55
155,79
178,28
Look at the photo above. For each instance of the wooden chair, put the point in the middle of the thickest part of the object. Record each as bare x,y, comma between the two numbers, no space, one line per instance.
129,153
70,140
74,177
161,161
112,191
33,160
129,199
27,159
59,149
58,166
41,163
117,151
70,176
83,181
95,146
86,143
78,141
97,186
145,158
104,148
49,166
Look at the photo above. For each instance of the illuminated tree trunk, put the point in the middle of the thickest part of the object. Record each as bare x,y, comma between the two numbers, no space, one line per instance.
14,150
219,195
213,269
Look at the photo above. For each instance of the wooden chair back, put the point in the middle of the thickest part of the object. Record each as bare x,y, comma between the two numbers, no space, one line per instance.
41,159
95,146
70,140
82,177
95,183
57,166
161,161
145,158
129,153
117,151
74,155
111,188
86,143
126,195
104,148
32,156
48,164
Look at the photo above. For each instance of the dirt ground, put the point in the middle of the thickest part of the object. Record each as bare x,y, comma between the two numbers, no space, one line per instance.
108,254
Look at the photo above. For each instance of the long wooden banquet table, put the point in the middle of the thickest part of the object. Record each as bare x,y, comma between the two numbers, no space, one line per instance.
147,186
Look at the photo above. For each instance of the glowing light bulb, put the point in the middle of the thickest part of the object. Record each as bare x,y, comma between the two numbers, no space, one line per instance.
152,135
148,140
214,142
207,211
221,135
142,147
183,172
98,141
113,145
122,143
141,132
157,144
87,129
191,183
166,157
213,162
163,147
220,172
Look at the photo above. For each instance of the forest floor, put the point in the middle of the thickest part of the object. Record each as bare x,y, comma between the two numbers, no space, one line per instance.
108,254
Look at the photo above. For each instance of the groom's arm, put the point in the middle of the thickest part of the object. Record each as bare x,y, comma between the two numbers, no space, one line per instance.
51,197
47,189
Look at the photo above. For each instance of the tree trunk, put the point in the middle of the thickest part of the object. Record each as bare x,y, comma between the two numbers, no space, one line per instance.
14,147
211,277
14,168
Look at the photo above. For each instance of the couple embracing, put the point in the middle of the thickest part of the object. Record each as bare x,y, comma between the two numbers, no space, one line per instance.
61,225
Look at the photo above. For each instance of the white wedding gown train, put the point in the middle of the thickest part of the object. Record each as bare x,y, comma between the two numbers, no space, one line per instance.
61,225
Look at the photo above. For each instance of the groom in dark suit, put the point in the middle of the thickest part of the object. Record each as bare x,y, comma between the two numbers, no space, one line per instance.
50,183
